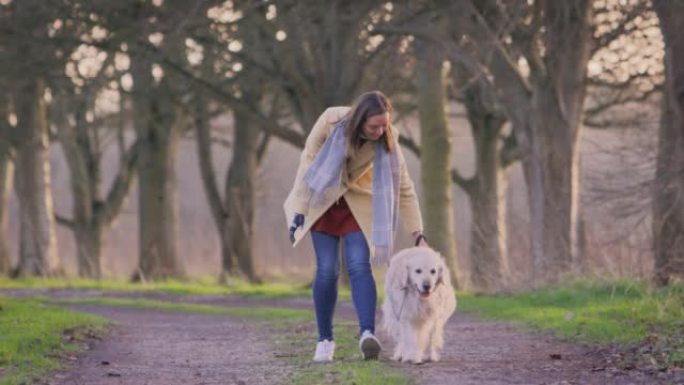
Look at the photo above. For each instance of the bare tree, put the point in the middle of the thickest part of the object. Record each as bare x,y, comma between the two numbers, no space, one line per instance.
232,210
233,206
93,212
160,117
544,107
6,175
435,161
668,200
38,242
494,152
158,123
31,33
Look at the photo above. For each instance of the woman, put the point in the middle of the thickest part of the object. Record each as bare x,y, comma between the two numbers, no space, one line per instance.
350,184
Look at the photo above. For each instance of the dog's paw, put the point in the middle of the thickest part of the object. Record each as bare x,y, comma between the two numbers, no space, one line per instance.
414,360
397,357
435,356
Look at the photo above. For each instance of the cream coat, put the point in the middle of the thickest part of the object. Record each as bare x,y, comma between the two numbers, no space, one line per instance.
356,187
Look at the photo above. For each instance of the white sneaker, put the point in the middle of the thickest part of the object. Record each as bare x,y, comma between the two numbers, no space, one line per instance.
369,345
324,351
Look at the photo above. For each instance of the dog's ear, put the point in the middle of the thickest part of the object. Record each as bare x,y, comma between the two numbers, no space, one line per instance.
400,280
443,275
440,274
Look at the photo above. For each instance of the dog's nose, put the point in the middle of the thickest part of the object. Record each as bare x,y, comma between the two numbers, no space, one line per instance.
426,287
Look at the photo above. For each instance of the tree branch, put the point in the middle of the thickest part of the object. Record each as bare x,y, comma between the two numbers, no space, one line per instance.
219,211
410,144
464,183
66,222
621,29
510,152
120,187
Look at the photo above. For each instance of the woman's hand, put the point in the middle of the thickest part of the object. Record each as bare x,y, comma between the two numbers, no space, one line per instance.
297,222
421,240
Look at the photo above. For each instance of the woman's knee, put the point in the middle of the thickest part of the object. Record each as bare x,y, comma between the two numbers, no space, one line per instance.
357,255
327,270
326,275
359,268
327,257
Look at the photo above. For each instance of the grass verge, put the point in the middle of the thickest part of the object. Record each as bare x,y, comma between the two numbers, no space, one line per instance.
624,312
205,286
34,335
257,313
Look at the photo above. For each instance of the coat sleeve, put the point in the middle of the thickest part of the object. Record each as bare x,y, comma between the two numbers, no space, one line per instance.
409,208
319,133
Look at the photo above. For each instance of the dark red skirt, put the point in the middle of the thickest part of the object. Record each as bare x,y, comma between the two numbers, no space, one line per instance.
337,221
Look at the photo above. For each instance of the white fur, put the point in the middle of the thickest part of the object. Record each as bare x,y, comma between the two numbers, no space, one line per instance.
417,324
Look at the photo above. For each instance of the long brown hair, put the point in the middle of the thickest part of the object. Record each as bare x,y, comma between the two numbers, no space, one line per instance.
366,105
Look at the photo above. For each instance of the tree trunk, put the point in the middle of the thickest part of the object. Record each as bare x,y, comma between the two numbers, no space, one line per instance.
545,109
552,166
92,213
87,233
38,242
89,243
486,192
435,160
218,208
668,199
558,197
84,179
240,193
6,174
156,122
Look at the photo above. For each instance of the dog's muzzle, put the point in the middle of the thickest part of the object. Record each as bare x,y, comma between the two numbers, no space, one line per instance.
424,291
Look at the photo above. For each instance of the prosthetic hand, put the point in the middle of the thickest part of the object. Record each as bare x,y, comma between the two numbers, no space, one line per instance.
297,222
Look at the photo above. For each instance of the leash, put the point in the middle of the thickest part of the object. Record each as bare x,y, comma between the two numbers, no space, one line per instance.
420,237
405,289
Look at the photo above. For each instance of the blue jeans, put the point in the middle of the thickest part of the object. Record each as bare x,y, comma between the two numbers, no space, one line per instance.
364,296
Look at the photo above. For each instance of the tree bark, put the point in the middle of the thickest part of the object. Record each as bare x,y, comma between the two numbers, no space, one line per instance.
92,212
557,174
435,160
6,174
557,104
486,192
218,209
234,214
668,198
156,124
38,242
240,194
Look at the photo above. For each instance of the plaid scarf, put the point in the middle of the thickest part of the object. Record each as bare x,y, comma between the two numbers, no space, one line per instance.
324,177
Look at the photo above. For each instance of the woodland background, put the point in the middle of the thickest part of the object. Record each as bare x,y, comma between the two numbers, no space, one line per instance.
158,139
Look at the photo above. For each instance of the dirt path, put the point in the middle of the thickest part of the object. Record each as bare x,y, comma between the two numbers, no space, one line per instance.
490,353
155,347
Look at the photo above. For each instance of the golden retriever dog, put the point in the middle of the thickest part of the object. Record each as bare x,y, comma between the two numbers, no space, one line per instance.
419,299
